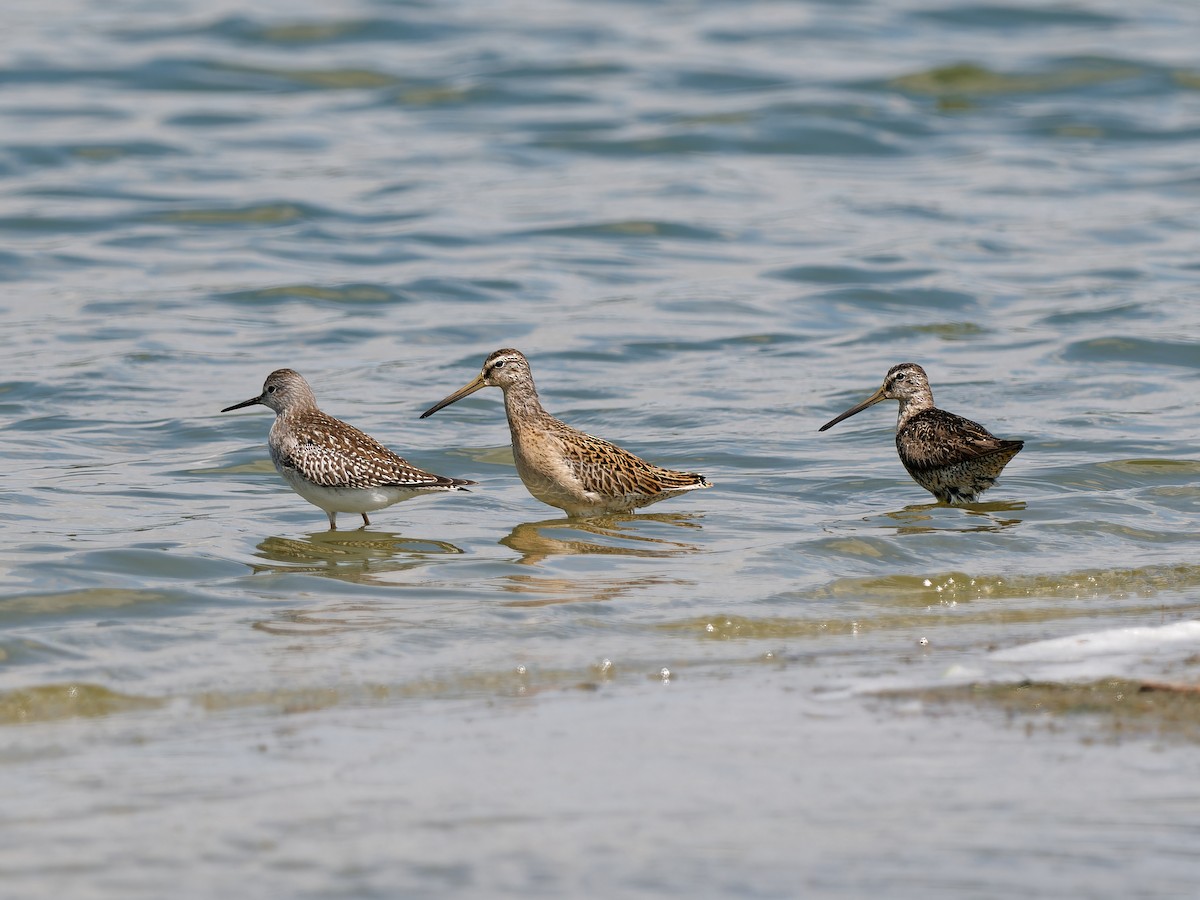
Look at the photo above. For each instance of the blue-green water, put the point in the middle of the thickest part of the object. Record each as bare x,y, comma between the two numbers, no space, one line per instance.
711,226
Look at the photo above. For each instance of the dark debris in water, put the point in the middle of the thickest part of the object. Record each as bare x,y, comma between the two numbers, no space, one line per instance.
966,79
1115,708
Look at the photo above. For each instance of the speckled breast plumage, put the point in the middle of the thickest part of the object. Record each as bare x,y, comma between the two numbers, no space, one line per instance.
953,458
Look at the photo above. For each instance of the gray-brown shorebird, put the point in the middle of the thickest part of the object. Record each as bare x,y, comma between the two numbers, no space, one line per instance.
953,458
333,465
561,466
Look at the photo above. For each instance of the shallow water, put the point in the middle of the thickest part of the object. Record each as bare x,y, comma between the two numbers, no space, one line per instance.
712,227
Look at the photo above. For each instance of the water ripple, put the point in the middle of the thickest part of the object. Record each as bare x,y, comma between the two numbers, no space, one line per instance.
711,227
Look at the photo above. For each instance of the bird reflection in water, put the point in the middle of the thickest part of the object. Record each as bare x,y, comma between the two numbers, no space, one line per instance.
912,517
360,556
615,535
340,617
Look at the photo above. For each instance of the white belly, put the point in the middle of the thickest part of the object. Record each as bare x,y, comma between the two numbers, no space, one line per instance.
347,500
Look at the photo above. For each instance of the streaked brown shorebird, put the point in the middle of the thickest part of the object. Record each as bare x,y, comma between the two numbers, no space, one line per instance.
953,458
580,474
331,464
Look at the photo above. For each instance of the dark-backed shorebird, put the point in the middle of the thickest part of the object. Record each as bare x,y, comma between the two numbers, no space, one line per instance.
953,458
334,465
561,466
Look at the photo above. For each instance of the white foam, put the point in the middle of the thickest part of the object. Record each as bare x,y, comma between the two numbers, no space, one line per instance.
1157,653
1115,652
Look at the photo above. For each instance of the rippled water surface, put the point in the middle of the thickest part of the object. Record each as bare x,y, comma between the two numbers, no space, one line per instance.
711,226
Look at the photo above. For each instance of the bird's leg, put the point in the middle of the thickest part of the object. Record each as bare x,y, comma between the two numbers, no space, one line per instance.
366,521
332,520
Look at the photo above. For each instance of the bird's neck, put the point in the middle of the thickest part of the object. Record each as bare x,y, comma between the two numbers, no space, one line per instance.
521,403
294,416
910,406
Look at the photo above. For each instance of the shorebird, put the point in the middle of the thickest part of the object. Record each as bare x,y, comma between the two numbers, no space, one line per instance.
333,465
953,458
561,466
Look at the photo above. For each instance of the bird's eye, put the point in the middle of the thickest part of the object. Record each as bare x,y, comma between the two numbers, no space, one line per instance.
901,377
271,389
498,364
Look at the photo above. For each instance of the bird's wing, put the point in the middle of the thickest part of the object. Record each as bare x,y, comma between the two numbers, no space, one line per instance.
935,439
333,454
607,469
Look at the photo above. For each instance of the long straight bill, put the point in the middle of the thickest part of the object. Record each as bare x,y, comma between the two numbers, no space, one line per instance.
870,401
249,402
464,391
